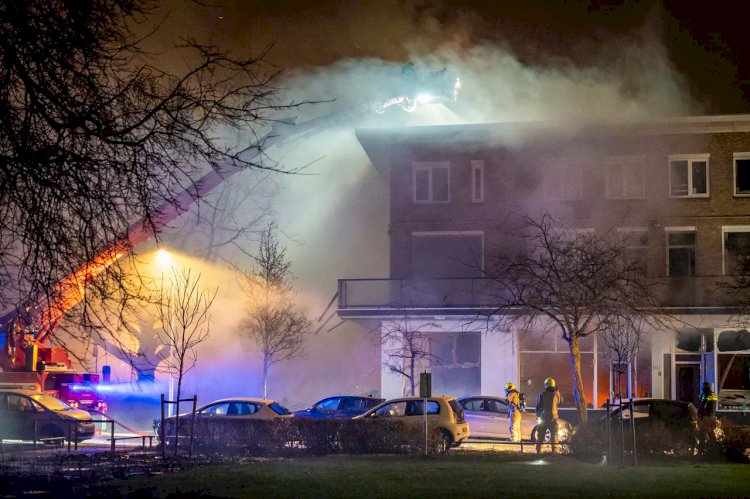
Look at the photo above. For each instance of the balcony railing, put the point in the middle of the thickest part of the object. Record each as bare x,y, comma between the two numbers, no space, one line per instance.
455,294
417,293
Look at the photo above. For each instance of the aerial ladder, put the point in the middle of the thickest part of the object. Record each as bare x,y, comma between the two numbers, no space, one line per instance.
26,360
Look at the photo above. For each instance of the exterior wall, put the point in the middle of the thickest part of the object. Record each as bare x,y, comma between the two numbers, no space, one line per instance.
514,181
499,362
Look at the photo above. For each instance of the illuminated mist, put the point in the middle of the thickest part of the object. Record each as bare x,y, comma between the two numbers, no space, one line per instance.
334,216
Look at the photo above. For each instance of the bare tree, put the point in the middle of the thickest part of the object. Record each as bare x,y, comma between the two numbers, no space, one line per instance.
96,141
580,281
274,324
407,348
183,308
622,339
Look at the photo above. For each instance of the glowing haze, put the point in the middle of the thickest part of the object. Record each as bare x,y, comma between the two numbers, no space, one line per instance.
334,217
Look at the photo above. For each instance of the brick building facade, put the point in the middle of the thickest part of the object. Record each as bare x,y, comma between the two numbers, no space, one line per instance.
679,189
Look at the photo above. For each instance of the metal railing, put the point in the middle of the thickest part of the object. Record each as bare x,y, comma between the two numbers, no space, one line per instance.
481,293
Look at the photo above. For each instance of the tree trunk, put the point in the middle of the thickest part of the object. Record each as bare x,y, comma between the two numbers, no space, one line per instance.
411,374
177,412
265,376
575,366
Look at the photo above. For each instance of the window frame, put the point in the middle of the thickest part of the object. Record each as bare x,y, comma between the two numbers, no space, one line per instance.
430,167
680,230
553,188
727,229
477,178
632,235
735,157
626,162
690,159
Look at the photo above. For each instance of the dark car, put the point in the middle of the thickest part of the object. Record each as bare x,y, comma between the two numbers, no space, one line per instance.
33,415
660,424
340,407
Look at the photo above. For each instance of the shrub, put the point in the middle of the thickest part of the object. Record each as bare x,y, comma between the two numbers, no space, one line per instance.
284,436
735,442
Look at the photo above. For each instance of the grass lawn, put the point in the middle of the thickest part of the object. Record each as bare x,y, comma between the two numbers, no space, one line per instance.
456,475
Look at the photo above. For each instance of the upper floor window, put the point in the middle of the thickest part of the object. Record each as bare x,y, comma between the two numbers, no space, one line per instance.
688,175
431,182
681,251
742,174
447,254
635,240
736,241
477,181
624,178
562,180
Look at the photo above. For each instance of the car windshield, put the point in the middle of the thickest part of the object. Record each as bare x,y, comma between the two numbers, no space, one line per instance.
279,409
50,402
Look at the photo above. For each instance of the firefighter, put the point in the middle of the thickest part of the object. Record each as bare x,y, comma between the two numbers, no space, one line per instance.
546,413
707,421
512,397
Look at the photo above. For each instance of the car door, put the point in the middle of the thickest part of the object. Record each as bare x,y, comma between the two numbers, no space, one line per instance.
481,420
497,417
326,408
20,416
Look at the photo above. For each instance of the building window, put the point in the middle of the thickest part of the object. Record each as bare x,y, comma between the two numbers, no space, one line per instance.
681,253
736,250
688,176
742,174
477,181
635,241
447,254
431,182
455,362
624,178
562,180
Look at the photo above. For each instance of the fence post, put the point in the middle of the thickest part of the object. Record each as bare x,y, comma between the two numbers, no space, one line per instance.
609,435
632,427
69,436
112,433
192,426
161,429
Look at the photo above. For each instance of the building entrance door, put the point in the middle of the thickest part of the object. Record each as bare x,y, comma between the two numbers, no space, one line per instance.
688,382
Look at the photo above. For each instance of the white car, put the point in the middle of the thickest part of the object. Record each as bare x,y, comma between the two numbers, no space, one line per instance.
488,418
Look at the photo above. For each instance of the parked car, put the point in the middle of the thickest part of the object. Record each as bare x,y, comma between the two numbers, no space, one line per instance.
661,425
223,412
30,415
445,417
488,418
340,407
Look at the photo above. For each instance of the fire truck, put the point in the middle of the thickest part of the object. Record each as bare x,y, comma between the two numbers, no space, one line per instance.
28,361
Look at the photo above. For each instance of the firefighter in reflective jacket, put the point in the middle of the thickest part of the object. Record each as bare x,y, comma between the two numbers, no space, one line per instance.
513,399
707,422
546,413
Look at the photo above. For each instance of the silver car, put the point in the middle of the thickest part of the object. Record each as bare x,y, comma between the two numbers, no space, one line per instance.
488,418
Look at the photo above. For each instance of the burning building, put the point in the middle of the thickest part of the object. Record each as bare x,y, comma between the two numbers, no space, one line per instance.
679,188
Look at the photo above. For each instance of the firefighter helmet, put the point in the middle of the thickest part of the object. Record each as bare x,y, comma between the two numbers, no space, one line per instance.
550,382
509,387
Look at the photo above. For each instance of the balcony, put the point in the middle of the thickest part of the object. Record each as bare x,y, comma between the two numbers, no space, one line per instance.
363,297
381,297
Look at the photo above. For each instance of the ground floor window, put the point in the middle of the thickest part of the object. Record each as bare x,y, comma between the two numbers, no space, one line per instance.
455,363
545,354
733,369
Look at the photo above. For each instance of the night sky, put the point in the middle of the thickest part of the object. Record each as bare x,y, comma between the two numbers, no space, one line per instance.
705,46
